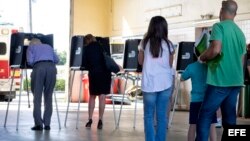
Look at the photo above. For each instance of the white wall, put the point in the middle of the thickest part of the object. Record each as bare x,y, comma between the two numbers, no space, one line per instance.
132,15
129,18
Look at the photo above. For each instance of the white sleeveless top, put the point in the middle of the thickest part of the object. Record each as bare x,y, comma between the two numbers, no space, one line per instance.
157,75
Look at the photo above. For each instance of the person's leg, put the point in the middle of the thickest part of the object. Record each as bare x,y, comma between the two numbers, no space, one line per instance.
91,105
50,82
191,132
228,107
102,103
219,122
37,81
171,102
193,117
149,100
162,104
212,101
155,121
213,134
32,81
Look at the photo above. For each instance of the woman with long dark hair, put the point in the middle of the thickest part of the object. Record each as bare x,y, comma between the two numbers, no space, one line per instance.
156,56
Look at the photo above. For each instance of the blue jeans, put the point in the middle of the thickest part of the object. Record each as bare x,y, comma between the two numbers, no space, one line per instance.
156,102
223,97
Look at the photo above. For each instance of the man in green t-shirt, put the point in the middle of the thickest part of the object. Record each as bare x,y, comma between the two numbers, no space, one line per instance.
227,46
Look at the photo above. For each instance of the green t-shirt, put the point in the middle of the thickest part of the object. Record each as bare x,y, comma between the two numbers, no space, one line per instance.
229,71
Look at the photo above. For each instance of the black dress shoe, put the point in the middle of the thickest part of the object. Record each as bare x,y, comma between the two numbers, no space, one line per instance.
37,128
47,128
99,125
88,124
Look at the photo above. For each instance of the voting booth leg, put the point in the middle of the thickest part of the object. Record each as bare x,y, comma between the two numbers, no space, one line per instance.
11,85
112,97
19,101
137,84
79,100
20,91
69,97
27,88
176,93
122,101
57,111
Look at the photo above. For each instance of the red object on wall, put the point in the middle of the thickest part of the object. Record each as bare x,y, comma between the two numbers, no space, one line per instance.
85,83
120,84
115,85
4,69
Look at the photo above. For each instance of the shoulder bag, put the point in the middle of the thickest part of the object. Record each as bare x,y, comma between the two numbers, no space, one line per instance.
110,62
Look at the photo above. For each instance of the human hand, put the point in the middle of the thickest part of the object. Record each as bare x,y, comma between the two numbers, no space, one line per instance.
200,61
121,68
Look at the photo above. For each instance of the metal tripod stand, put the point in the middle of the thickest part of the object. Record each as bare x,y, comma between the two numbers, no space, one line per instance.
137,79
70,96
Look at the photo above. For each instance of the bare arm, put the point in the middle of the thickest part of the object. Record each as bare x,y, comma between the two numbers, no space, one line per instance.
171,60
246,63
141,57
244,59
211,52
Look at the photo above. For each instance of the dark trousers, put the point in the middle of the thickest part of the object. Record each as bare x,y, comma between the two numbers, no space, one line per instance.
43,79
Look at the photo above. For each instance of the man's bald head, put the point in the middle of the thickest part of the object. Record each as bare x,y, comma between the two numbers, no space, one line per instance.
228,10
230,6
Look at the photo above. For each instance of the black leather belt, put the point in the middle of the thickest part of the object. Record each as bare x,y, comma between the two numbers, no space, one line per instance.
42,61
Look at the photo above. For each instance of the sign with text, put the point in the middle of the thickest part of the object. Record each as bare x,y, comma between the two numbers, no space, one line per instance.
236,132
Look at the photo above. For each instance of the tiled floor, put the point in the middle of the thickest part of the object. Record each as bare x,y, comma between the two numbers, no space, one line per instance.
125,131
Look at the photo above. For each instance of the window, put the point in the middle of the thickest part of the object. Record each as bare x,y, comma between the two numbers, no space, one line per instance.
117,48
3,48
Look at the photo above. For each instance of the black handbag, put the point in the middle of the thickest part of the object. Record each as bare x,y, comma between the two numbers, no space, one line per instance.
110,63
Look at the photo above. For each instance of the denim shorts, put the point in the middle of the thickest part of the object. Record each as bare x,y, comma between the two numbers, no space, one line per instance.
194,111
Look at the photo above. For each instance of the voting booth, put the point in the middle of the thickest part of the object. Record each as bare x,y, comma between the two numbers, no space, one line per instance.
18,61
130,58
76,52
19,44
185,55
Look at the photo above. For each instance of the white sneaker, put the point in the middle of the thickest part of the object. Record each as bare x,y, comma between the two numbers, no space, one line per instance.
218,124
